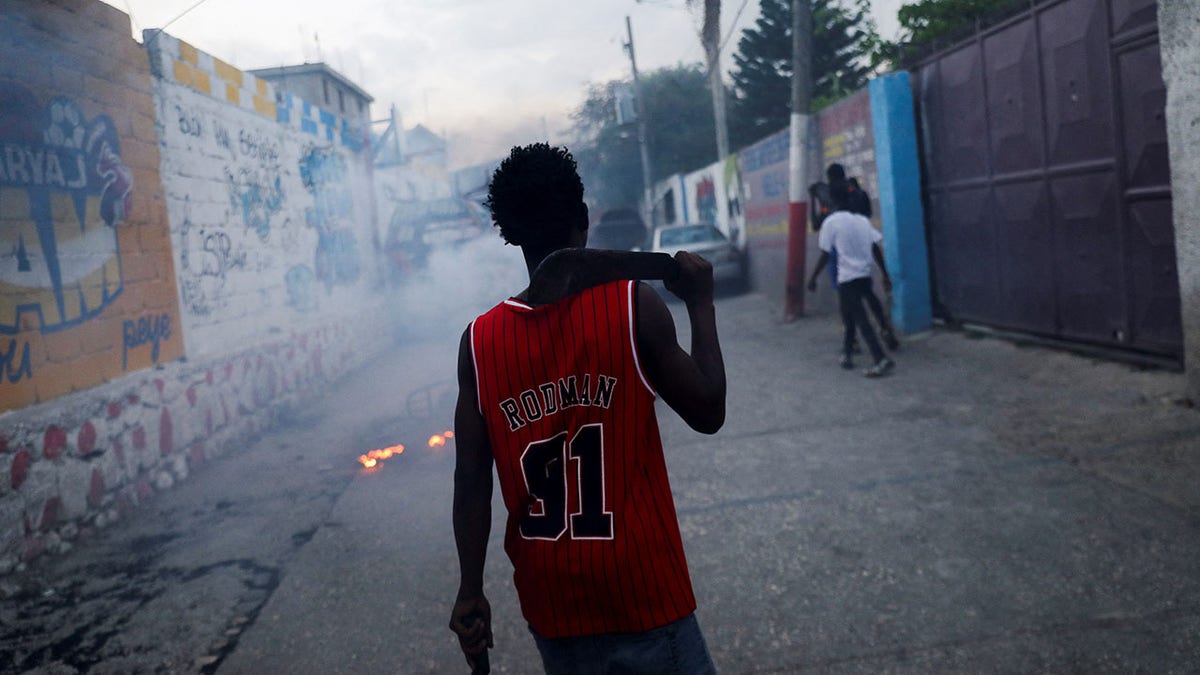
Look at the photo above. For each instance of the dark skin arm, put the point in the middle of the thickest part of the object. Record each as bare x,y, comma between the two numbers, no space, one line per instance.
821,262
692,384
877,253
471,618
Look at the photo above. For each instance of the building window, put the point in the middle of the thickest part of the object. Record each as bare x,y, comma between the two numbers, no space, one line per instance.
341,101
325,90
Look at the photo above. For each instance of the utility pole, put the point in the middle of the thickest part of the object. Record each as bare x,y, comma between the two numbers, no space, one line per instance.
710,37
640,106
798,158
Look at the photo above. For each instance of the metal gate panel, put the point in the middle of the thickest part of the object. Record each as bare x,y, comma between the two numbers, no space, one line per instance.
1156,310
969,277
1143,117
1091,265
1078,84
964,151
930,119
1047,176
1014,104
1130,14
1025,257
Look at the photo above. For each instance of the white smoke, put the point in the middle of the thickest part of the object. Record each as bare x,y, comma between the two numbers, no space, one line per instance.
457,284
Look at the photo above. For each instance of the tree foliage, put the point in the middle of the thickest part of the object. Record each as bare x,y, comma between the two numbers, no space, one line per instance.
924,22
680,129
844,39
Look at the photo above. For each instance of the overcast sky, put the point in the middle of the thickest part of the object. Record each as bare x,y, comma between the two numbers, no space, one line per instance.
486,73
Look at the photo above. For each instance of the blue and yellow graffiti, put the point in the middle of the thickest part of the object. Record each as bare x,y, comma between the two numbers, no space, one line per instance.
63,189
324,174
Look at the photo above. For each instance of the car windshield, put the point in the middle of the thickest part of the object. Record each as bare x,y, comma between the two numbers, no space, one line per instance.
689,234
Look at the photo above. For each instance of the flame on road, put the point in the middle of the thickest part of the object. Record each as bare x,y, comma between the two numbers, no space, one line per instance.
439,440
375,458
372,458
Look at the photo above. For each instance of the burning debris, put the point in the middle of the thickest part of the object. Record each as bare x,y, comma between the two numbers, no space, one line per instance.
372,459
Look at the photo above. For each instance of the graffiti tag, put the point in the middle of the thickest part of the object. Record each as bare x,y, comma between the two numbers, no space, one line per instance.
146,330
12,369
206,256
323,172
258,147
257,197
222,135
27,166
189,122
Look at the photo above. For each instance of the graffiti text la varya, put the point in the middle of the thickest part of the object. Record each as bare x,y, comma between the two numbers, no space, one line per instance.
25,166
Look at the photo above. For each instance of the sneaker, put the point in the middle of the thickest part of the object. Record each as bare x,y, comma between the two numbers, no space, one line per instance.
882,367
889,339
847,362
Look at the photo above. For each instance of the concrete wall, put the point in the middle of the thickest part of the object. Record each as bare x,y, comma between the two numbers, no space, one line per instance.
271,222
1178,26
898,207
763,170
753,192
257,262
87,290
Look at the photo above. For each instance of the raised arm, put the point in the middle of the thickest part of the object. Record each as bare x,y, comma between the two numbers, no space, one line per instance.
692,384
471,618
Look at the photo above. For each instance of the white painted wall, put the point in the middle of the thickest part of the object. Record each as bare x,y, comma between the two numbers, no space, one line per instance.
271,227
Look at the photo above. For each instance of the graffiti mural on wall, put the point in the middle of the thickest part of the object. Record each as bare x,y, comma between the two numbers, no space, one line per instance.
706,200
324,174
764,172
256,196
206,256
255,183
63,189
846,138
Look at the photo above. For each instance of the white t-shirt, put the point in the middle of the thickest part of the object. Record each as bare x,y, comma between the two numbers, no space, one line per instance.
852,235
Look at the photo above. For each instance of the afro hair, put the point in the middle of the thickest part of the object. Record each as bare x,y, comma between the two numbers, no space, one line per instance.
536,195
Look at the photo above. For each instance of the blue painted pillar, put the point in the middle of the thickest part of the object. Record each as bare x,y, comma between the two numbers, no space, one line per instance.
900,207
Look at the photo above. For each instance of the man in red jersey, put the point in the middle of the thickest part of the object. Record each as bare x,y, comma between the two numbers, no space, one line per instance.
560,399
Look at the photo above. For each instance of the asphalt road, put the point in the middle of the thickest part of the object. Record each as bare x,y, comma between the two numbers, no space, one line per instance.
987,508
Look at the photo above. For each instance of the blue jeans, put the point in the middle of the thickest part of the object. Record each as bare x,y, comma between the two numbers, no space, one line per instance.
677,647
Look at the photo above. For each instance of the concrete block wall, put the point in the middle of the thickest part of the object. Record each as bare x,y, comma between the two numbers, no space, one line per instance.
1178,24
270,206
84,262
98,411
748,194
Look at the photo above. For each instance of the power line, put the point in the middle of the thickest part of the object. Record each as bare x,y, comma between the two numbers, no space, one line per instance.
182,14
733,26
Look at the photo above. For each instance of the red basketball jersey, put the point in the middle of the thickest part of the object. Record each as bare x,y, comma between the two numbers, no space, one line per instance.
592,531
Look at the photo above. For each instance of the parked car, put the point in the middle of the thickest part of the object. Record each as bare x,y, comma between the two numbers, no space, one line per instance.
705,240
619,229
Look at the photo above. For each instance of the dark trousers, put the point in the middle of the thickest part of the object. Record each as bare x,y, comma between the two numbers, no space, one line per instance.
876,308
677,648
851,295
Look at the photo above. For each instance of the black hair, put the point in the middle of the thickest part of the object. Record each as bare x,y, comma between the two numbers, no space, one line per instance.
836,173
839,194
536,196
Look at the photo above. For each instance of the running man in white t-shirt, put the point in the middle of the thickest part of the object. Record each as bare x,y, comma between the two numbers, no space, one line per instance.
857,244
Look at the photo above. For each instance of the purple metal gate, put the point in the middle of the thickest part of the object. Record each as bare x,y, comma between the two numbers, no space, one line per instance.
1045,152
